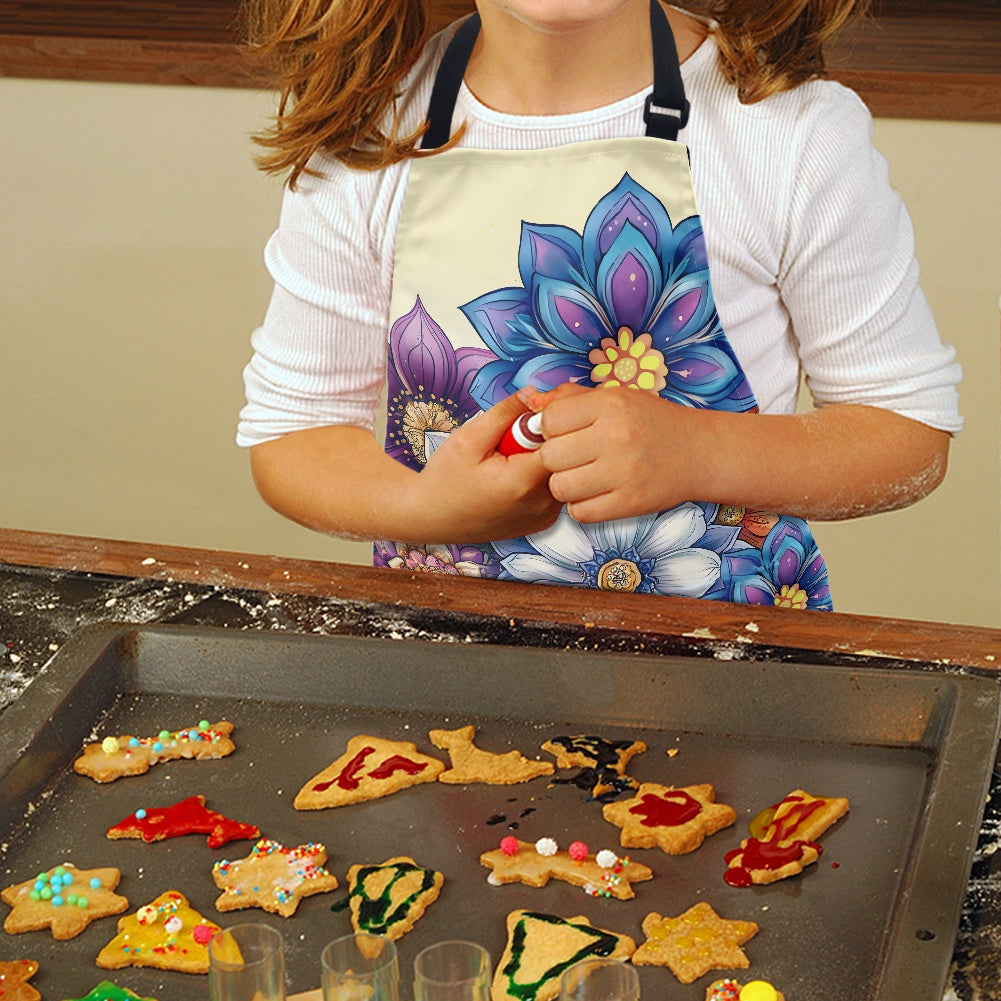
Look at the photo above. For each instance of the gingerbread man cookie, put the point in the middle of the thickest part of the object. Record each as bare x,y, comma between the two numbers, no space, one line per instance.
784,839
695,942
167,934
273,877
189,816
14,979
64,898
471,764
541,946
600,875
388,899
370,768
115,757
674,820
602,762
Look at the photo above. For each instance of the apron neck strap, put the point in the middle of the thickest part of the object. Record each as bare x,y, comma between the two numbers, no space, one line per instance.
665,112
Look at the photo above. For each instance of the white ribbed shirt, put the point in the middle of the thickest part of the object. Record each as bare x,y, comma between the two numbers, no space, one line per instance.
811,256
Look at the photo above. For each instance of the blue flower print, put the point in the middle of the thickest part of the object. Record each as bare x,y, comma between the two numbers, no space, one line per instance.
628,303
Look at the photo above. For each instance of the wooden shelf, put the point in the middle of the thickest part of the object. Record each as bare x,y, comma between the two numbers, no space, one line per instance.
937,59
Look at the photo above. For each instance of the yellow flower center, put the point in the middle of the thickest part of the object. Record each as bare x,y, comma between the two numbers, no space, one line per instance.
619,575
629,361
791,596
420,417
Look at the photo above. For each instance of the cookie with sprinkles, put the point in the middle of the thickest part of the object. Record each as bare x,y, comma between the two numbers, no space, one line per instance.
729,989
273,877
64,899
600,875
14,979
675,820
107,991
189,816
115,757
167,934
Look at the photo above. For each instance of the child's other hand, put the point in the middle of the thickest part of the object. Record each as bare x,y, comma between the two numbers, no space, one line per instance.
615,453
474,492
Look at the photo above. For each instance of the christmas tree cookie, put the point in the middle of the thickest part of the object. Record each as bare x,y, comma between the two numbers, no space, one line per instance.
388,899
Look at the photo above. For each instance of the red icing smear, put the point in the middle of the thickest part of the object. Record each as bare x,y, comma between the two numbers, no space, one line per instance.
668,810
777,848
189,816
350,775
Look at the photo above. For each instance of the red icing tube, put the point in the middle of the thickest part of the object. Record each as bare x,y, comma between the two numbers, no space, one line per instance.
524,435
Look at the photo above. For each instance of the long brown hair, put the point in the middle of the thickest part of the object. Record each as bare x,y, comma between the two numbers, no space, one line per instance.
338,66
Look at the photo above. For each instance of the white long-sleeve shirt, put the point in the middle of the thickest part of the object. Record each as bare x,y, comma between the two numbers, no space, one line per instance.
811,256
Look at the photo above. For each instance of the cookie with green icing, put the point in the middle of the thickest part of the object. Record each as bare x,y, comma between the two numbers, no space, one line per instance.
389,899
540,947
107,991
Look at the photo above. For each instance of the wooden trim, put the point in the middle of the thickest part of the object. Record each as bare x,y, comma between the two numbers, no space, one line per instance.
716,629
934,59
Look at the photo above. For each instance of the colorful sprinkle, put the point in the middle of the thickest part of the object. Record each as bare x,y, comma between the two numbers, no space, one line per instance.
509,845
606,858
110,745
547,846
577,851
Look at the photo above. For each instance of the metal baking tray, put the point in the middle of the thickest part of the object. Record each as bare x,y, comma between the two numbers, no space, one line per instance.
875,918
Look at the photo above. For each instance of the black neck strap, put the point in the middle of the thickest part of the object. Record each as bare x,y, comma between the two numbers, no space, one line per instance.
665,112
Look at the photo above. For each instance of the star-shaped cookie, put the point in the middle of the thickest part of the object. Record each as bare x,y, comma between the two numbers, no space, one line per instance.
541,946
189,816
523,863
675,820
114,757
694,943
65,899
370,768
14,979
107,991
167,934
471,764
273,877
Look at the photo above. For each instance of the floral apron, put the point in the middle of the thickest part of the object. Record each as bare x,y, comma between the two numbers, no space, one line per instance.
582,263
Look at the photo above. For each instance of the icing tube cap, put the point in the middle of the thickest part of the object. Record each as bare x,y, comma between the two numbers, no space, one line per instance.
524,435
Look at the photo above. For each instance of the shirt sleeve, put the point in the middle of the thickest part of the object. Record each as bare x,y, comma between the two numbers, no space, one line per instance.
319,355
850,280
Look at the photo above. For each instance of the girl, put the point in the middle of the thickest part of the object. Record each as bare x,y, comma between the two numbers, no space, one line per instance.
540,245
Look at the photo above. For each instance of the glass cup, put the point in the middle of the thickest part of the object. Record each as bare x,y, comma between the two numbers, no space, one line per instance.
600,980
360,967
452,971
247,963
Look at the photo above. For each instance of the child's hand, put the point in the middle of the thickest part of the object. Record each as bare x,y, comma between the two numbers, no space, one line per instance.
471,491
614,453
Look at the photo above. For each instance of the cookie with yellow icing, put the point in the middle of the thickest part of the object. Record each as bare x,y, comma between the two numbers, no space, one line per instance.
115,757
601,875
273,877
695,942
389,898
541,946
675,820
167,934
370,767
729,989
64,899
472,764
14,977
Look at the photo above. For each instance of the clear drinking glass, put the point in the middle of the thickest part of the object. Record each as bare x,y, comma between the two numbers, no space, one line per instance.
452,971
247,963
360,967
600,980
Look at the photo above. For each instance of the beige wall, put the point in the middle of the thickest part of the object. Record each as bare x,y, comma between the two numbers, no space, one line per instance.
131,228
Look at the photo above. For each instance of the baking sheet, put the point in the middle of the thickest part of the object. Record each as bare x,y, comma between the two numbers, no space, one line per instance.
874,919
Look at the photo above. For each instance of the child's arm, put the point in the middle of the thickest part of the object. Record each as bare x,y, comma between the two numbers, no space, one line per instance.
614,453
337,480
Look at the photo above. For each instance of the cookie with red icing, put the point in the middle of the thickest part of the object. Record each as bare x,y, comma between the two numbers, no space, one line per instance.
370,768
116,756
189,816
14,979
64,899
675,820
167,934
273,877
